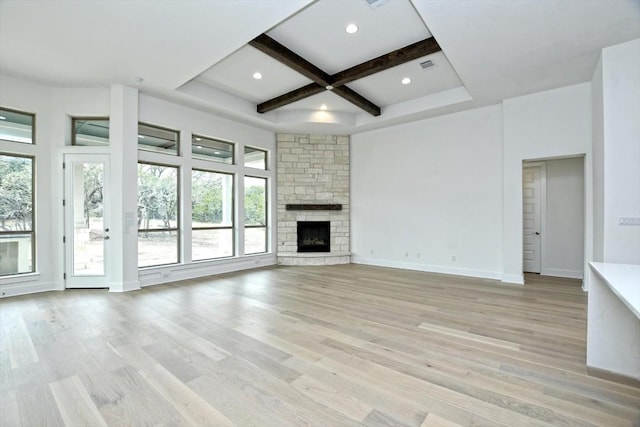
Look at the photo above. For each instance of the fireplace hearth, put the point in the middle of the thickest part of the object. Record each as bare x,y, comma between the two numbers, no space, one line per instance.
314,236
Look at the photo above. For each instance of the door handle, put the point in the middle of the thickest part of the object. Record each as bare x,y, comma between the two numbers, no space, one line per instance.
106,237
537,233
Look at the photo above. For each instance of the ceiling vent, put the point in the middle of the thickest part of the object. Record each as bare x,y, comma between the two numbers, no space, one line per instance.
427,64
374,4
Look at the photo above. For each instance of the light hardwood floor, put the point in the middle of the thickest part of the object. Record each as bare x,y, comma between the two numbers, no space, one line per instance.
323,346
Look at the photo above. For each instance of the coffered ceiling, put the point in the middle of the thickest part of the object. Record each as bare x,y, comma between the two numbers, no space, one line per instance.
200,53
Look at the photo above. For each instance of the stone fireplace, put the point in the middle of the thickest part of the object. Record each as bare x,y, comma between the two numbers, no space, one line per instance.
313,191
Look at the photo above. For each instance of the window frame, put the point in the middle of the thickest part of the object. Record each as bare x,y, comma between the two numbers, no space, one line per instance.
178,213
225,227
33,125
266,214
32,232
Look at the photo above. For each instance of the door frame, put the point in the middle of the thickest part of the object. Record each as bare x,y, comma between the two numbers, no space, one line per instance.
543,208
101,281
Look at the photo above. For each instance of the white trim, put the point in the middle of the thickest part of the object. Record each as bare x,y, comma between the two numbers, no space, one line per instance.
172,273
560,272
125,287
25,288
481,274
517,279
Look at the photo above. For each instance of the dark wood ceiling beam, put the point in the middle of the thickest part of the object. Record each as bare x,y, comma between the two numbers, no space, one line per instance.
274,49
397,57
356,99
290,97
337,82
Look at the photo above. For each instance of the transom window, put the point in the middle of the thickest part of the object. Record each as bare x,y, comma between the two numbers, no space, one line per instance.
212,149
17,126
90,131
158,139
255,158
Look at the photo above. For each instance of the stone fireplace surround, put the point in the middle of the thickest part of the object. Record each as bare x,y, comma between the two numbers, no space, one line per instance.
313,170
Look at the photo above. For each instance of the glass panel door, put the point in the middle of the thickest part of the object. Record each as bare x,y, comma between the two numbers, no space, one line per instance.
87,230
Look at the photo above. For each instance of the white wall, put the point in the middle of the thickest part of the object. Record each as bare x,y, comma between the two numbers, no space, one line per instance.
425,192
619,156
597,120
563,242
555,123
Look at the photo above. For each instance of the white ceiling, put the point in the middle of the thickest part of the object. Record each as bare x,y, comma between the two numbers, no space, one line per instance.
196,53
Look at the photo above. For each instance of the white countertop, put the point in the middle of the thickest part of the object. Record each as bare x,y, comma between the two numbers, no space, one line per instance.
623,280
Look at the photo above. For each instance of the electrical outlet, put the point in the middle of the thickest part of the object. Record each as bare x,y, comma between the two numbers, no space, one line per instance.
629,220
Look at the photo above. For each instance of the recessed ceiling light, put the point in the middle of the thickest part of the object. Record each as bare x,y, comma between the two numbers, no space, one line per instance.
323,107
257,75
328,87
406,81
351,28
3,118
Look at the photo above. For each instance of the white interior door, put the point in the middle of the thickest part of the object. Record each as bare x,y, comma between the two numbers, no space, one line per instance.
86,220
532,189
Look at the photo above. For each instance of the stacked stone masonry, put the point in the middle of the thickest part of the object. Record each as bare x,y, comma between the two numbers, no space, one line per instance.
313,169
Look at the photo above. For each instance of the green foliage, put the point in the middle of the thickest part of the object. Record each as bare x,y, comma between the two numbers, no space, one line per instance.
254,202
206,197
16,193
93,176
157,195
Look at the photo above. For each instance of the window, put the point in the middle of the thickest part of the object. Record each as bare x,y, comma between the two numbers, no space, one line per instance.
212,215
212,149
254,158
255,215
90,131
155,138
158,204
16,126
17,237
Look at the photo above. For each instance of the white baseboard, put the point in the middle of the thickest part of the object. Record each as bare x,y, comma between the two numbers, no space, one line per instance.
160,275
517,279
481,274
559,272
25,288
133,285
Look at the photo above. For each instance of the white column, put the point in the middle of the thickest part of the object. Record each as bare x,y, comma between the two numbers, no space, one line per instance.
123,140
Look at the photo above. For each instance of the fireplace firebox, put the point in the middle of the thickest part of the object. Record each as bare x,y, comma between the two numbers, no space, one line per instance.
313,236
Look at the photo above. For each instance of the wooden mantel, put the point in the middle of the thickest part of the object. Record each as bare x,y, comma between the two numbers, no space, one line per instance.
313,207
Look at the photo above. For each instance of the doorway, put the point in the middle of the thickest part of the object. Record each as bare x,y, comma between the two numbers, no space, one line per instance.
86,207
553,209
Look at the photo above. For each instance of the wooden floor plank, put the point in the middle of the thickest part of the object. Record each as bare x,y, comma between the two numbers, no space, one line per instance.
75,404
191,406
320,345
